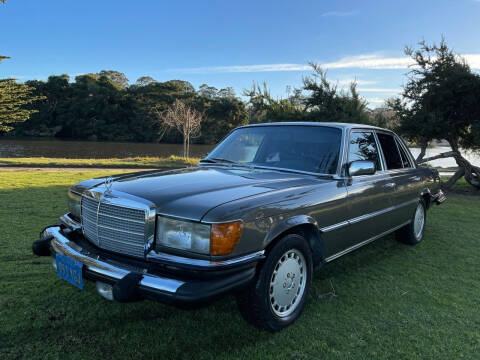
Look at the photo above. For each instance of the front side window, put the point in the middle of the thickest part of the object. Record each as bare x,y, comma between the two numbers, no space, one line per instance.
305,148
393,159
362,146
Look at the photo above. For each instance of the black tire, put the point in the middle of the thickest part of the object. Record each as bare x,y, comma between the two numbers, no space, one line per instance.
255,301
407,234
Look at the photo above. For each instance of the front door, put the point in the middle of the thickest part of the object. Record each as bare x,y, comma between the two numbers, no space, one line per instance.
369,199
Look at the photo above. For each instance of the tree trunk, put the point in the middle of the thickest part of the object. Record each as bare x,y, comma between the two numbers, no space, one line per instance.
472,173
423,150
439,156
184,147
453,179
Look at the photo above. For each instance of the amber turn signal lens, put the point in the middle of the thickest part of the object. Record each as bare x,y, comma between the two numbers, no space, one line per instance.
225,237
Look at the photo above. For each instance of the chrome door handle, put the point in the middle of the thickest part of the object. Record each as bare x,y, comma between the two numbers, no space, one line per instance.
390,185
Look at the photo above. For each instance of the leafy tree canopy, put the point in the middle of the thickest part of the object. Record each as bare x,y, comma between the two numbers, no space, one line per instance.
13,100
116,77
441,100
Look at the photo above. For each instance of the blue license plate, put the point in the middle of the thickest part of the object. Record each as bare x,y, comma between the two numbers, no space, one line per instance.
70,270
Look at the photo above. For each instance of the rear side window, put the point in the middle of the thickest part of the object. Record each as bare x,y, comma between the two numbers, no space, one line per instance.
362,146
406,163
390,151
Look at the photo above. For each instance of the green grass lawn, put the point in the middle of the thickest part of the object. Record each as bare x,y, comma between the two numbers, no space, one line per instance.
392,301
136,162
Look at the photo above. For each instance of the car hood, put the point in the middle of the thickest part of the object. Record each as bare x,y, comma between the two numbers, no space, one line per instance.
192,192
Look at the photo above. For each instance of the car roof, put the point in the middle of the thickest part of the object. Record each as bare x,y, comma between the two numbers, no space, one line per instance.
307,123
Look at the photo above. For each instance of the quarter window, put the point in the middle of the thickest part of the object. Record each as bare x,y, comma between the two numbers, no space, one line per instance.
362,146
390,151
403,154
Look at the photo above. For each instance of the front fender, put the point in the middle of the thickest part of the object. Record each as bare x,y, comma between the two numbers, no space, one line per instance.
304,225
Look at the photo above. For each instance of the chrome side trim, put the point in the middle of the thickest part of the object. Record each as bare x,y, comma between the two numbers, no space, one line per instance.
63,245
157,256
356,246
366,216
334,226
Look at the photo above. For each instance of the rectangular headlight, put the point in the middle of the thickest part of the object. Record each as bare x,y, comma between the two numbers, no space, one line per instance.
183,235
74,203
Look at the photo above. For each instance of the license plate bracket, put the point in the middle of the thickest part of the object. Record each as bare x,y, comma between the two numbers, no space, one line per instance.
70,270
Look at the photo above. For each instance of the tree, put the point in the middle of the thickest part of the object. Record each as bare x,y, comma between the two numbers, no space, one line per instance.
116,77
3,58
14,98
209,92
183,118
324,102
441,100
317,100
144,81
227,92
264,108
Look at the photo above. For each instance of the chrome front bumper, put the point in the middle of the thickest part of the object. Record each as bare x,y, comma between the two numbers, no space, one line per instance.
117,274
62,245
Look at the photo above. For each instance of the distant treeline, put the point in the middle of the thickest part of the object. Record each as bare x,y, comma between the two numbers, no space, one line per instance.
104,106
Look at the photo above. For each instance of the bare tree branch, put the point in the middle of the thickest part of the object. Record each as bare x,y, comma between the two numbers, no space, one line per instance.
185,119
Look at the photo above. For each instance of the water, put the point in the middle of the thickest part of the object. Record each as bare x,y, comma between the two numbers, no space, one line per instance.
447,162
92,149
103,150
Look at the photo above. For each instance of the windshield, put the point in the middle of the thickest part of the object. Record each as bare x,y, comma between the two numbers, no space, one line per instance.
304,148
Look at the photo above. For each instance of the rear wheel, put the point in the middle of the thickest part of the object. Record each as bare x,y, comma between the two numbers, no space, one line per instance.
278,295
412,233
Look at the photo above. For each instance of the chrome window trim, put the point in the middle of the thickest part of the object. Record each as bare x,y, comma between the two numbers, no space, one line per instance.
356,246
347,146
366,216
395,136
340,151
410,159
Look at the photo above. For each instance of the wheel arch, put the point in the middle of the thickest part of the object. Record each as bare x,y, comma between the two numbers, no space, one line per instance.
426,195
302,225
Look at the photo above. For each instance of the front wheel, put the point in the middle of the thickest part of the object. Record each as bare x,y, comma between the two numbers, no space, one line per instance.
412,233
278,295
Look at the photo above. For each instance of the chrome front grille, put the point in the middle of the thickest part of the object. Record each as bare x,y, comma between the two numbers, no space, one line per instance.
114,227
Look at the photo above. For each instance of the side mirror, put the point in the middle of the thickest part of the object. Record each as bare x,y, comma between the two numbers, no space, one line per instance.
361,167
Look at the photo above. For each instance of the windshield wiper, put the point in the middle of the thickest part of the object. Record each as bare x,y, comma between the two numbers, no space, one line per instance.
218,160
226,161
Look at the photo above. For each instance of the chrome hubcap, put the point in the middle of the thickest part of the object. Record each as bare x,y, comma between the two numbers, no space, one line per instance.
419,221
287,284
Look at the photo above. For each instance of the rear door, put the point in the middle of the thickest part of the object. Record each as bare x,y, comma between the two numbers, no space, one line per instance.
369,196
402,172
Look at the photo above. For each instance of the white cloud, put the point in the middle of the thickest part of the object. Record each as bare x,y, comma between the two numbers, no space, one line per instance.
377,61
244,68
365,61
375,100
340,13
369,61
380,90
346,82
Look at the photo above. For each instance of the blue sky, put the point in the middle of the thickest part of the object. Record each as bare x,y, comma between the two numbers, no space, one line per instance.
233,43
